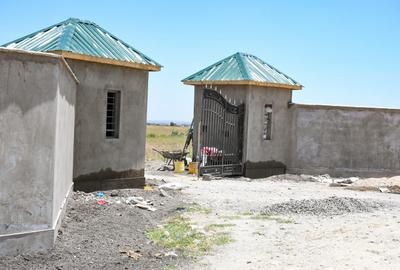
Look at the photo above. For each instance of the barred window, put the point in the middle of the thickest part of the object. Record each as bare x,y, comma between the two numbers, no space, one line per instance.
267,131
113,114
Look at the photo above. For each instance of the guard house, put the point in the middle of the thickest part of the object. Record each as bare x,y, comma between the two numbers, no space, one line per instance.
241,117
111,101
245,123
73,102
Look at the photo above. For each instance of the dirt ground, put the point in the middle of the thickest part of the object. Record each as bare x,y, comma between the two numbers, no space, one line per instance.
359,240
94,236
362,235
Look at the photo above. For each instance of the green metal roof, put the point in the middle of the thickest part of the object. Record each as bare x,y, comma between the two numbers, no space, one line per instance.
81,37
243,68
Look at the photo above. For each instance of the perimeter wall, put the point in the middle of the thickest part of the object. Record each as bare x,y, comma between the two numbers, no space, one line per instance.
344,141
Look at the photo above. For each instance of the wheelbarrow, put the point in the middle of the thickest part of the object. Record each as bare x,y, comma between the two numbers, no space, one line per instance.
170,157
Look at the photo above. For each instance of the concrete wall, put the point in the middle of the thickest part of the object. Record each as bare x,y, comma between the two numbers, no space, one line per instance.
101,163
265,156
64,143
345,140
36,121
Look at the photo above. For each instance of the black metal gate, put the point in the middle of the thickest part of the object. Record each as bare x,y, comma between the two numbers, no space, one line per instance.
221,135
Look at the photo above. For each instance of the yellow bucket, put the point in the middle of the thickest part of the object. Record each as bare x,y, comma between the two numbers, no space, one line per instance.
179,166
193,167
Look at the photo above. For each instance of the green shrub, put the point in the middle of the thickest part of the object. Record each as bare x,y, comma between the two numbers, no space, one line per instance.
174,133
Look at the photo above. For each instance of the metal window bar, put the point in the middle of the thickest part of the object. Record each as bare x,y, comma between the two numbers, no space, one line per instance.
267,133
113,114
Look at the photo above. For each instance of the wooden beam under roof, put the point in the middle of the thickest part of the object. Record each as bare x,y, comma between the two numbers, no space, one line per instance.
107,61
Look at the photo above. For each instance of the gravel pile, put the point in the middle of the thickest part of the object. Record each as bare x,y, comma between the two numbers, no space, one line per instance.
324,207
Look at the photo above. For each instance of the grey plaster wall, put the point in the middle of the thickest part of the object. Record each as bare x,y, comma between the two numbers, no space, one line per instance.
345,140
30,147
101,163
277,149
64,142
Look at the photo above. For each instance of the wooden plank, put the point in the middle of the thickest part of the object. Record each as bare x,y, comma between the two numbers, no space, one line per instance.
107,61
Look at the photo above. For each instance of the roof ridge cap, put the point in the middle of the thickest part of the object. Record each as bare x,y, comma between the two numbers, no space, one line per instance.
68,32
242,66
154,63
208,67
35,33
274,69
77,20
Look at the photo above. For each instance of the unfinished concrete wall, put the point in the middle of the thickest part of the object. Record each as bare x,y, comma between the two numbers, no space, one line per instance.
34,142
266,157
101,163
234,93
345,140
64,143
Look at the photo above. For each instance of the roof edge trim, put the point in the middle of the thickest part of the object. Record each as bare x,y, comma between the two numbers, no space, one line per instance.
245,82
107,61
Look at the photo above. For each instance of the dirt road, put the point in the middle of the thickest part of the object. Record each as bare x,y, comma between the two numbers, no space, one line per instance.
360,240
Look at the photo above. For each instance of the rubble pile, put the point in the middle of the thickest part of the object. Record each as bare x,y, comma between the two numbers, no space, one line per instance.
117,197
323,178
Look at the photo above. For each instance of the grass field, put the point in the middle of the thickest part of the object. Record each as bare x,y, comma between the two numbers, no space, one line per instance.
165,138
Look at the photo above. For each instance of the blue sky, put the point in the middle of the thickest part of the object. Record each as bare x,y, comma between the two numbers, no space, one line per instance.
343,52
